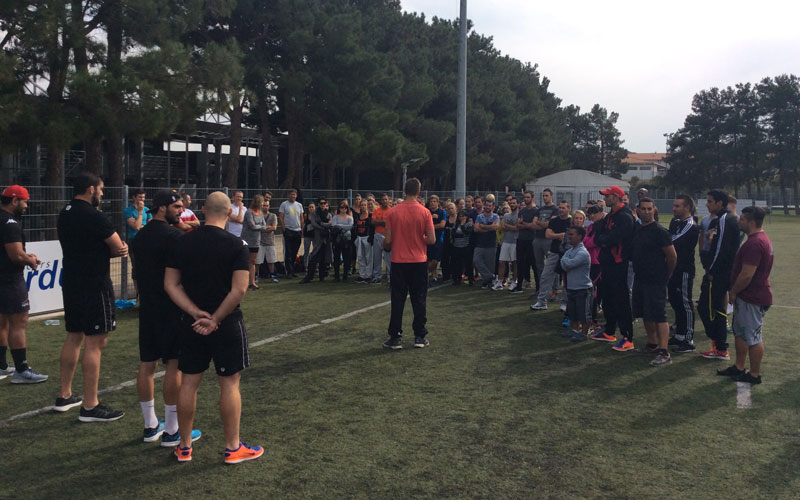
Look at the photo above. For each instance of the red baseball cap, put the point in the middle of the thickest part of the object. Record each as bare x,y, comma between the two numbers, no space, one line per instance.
615,190
16,191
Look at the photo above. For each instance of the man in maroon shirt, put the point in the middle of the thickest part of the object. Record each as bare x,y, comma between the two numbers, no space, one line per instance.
750,295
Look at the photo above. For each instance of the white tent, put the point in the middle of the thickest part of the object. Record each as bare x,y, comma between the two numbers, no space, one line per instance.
574,186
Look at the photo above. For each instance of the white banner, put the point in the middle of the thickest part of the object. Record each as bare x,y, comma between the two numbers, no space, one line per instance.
44,284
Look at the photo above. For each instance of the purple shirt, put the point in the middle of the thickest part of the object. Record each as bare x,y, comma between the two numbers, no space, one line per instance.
756,251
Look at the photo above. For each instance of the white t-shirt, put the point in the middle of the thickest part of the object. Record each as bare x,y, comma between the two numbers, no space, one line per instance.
234,227
292,215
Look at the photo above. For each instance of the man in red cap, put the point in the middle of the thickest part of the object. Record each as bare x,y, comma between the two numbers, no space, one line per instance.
614,237
14,304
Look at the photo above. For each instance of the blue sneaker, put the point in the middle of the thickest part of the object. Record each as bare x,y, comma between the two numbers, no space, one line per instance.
170,440
565,321
579,337
151,435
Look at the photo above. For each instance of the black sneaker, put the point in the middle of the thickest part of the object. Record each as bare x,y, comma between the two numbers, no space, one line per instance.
683,347
674,342
730,371
64,404
748,378
100,413
421,342
393,343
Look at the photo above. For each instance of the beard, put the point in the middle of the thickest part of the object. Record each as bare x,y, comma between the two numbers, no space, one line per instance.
172,219
18,211
95,200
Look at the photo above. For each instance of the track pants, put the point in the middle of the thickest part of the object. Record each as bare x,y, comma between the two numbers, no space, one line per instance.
679,289
712,308
616,299
409,279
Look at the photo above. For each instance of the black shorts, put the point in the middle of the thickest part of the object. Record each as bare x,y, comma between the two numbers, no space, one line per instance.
253,249
435,251
227,347
89,311
649,302
14,296
579,305
158,330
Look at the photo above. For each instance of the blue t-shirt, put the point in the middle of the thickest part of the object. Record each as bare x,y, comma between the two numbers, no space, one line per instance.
131,212
489,238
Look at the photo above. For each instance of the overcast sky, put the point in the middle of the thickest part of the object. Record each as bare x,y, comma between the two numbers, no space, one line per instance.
644,60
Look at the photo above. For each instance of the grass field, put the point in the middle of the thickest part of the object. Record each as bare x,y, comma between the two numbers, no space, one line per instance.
499,406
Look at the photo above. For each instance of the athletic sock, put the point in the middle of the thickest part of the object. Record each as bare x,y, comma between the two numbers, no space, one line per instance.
662,352
20,363
170,419
3,362
149,414
652,346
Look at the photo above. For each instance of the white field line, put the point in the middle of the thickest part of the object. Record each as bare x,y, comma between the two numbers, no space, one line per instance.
787,307
131,383
743,401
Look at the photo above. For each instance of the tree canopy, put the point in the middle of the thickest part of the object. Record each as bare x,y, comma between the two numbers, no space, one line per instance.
360,85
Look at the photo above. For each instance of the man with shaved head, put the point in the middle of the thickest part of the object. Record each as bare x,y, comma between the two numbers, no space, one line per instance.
206,277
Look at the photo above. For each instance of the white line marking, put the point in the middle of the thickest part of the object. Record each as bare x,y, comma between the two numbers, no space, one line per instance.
131,383
787,307
743,401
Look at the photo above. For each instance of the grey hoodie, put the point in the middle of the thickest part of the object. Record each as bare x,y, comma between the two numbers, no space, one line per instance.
577,262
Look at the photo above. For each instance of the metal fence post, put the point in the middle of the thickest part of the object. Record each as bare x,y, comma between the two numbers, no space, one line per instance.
123,286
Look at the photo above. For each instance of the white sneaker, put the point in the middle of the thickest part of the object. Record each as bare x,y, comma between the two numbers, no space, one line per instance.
539,306
5,372
563,308
497,286
512,286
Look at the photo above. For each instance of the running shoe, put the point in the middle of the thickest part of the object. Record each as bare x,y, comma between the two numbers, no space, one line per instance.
183,454
5,372
152,434
602,336
526,284
716,354
512,286
731,371
376,281
683,347
29,376
623,345
565,321
553,296
516,290
748,378
100,413
434,282
275,278
170,440
562,308
359,280
243,453
393,343
64,404
661,360
498,285
673,342
579,337
421,342
539,306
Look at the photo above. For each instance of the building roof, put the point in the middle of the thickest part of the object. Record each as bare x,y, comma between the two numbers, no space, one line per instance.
579,179
644,157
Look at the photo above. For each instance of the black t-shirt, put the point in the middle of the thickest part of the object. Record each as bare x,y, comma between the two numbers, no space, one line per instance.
545,214
82,232
649,261
149,249
363,226
527,214
684,238
438,216
10,232
207,258
558,225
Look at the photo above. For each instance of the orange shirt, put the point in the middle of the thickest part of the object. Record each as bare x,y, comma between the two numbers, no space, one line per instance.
408,222
380,214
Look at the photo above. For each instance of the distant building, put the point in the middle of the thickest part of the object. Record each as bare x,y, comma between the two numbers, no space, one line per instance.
645,166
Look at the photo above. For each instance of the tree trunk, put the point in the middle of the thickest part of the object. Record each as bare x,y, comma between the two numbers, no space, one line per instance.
58,64
397,179
114,65
231,175
294,126
93,146
356,177
268,157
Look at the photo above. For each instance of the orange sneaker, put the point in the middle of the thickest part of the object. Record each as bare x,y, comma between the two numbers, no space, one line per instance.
602,336
183,454
716,354
243,453
623,345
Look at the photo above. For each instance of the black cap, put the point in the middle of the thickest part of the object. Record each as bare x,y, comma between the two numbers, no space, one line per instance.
165,198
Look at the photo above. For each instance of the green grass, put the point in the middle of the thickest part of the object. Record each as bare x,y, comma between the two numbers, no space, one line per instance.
499,406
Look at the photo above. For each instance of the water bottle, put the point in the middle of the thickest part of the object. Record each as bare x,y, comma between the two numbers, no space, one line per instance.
51,322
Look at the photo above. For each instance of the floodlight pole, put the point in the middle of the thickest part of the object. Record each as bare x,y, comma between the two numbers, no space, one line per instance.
461,121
